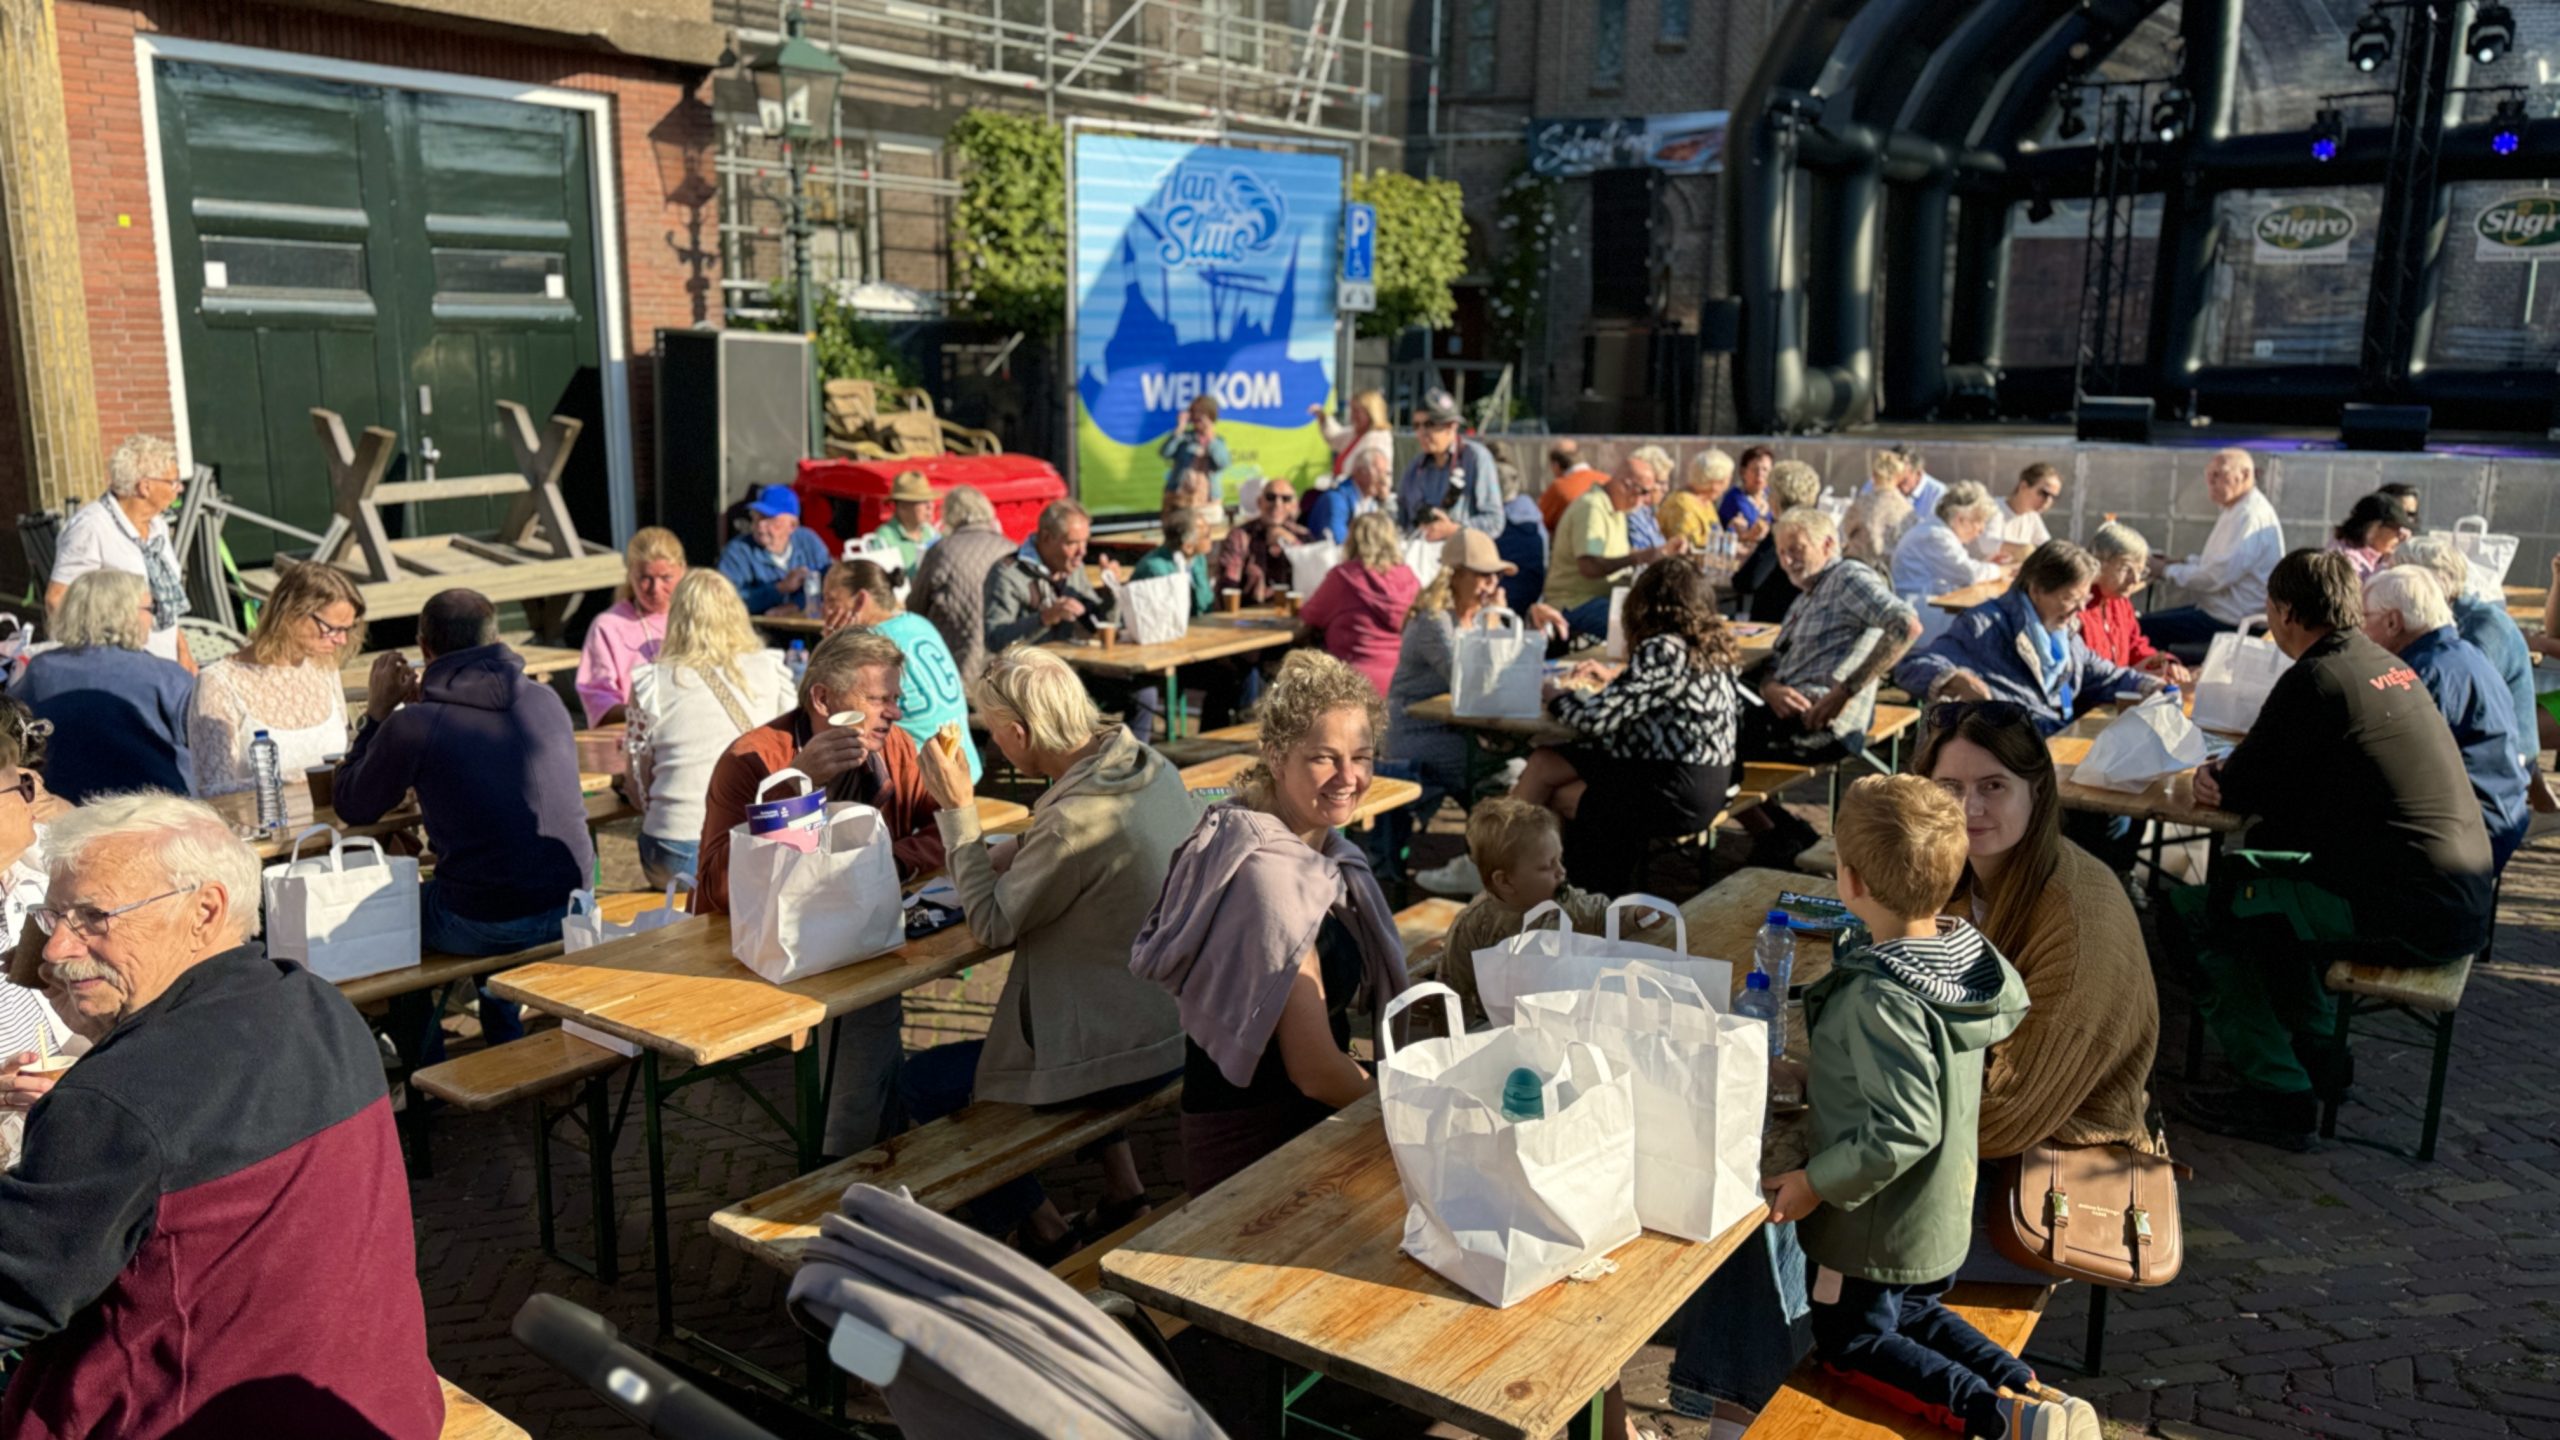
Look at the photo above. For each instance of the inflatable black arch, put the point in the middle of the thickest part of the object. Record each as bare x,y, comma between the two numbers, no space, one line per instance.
1865,118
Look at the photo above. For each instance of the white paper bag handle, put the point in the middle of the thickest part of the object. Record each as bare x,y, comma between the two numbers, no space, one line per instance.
1636,973
1413,995
1485,618
1660,906
777,777
579,898
1541,911
294,857
2259,621
2480,520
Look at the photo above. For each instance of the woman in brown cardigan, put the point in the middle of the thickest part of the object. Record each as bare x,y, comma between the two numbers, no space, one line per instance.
2074,1070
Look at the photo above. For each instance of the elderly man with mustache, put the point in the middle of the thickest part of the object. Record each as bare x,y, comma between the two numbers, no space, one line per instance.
208,1233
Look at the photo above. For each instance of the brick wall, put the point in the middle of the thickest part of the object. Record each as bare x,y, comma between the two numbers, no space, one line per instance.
653,108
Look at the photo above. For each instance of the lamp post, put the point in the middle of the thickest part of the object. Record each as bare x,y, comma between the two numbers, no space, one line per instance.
795,86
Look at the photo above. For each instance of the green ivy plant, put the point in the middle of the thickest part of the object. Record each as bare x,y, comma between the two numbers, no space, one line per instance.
1009,240
1531,222
848,346
1422,249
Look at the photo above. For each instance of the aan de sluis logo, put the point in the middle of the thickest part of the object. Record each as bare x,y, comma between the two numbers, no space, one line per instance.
1215,215
2306,227
2527,222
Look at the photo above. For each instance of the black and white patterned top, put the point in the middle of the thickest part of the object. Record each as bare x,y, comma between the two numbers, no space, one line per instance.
1664,706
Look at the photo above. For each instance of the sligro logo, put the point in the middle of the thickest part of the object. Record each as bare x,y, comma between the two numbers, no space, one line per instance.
2306,227
2526,222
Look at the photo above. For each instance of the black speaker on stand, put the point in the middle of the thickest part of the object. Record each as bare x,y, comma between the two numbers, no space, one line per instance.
733,417
2124,419
2385,427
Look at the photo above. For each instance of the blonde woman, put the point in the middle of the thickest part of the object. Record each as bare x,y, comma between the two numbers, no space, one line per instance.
1357,613
119,713
627,636
1271,924
1072,1025
712,682
1332,499
285,682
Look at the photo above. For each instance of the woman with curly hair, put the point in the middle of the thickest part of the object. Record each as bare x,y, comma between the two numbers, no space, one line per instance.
1657,739
1271,925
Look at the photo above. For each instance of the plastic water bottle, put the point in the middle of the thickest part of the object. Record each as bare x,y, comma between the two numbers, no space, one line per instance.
267,764
1761,1003
796,660
1522,1096
1774,953
809,602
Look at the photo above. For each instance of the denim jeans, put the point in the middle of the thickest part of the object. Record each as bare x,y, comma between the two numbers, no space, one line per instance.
863,1085
1742,1332
936,1082
668,860
1903,1339
416,1020
1591,617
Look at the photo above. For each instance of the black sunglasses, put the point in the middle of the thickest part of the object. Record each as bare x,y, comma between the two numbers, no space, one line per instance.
1948,714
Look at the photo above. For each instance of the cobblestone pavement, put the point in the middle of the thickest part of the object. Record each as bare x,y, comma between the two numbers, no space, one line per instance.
2347,1292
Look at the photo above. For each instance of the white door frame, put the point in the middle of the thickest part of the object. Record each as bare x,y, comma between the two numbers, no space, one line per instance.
601,151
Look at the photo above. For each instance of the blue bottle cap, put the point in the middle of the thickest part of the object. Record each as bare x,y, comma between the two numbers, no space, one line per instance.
1756,980
1781,919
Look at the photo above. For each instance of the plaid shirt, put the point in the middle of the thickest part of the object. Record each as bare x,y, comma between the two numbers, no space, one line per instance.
1831,630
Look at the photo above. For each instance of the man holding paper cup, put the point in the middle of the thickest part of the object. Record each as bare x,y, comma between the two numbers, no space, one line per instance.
844,736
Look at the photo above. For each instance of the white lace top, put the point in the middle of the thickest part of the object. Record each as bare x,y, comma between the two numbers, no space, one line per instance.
303,708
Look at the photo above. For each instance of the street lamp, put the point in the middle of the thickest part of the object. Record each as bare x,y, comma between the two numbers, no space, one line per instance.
794,87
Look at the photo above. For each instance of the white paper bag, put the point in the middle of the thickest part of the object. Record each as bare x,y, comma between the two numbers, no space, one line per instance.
2150,740
794,914
1422,557
1155,610
2239,669
883,554
1504,1208
1544,958
347,914
1498,669
1617,643
583,928
1701,1080
1309,564
2490,556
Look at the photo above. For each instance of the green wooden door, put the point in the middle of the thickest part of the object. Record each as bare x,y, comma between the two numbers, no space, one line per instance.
406,259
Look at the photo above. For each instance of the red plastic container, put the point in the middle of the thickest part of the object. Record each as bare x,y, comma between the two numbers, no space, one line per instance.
837,494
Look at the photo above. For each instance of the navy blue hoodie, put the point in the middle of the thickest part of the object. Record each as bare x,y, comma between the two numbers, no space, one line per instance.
494,759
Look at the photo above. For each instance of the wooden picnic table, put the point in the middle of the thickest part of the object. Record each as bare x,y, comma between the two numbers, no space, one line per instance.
1386,793
1299,1257
2170,800
793,625
1956,602
1200,643
541,662
240,807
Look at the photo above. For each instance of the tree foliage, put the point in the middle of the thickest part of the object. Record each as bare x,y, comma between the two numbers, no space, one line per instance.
848,346
1422,249
1009,246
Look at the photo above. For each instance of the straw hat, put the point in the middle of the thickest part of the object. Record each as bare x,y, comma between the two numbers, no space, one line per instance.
1474,550
911,487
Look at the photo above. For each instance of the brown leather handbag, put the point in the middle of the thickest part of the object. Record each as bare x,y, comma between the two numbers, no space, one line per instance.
2105,1214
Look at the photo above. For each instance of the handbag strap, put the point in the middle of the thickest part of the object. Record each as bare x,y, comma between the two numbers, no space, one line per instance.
728,700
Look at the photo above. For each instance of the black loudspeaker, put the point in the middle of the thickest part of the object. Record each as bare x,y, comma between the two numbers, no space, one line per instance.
2125,419
733,416
1720,325
2385,427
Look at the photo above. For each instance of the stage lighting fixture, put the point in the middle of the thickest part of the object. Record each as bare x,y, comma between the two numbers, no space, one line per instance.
2073,124
2170,117
2328,134
2369,44
2493,34
2508,135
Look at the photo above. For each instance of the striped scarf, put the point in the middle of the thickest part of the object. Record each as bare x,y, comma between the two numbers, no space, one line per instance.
1955,967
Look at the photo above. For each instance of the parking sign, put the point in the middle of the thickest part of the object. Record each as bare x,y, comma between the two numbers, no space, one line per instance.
1360,243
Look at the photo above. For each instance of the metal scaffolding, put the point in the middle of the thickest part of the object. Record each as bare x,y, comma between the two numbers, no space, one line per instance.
1323,74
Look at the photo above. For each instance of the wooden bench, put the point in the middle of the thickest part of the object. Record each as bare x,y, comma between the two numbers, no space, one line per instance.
1213,744
1815,1405
2428,995
944,1165
467,1419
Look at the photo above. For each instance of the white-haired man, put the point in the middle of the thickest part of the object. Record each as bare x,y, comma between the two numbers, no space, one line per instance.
128,529
1593,547
2405,612
208,1235
2229,577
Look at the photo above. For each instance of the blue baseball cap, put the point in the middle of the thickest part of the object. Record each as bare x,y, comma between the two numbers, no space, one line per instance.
776,500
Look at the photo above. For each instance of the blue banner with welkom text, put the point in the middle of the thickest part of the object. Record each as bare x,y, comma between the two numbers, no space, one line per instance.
1200,270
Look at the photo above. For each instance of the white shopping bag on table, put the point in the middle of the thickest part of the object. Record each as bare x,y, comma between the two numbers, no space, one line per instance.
347,914
1616,649
2153,739
1503,1208
2490,557
1153,611
585,927
2239,669
1701,1081
796,913
1498,670
1309,564
1543,957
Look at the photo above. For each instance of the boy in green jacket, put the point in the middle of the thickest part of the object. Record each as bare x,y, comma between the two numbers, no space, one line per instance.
1885,1204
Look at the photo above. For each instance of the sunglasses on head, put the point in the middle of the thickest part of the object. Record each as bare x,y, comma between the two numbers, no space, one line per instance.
1947,714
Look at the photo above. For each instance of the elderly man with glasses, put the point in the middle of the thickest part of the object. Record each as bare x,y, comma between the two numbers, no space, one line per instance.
209,1233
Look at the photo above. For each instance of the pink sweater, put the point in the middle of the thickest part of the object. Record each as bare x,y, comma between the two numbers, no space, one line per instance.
619,642
1360,613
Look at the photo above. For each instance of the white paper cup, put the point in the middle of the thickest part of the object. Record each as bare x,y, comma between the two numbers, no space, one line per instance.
843,718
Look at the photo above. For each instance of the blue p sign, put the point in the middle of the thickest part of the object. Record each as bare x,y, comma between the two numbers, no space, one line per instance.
1359,242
